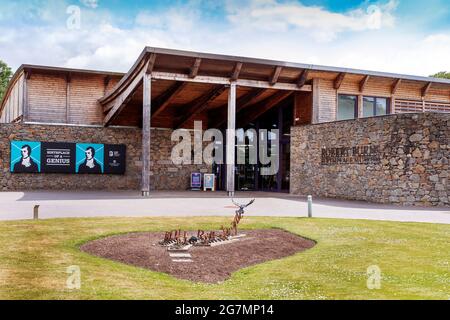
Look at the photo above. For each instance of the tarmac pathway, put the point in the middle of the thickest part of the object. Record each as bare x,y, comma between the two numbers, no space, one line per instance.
19,205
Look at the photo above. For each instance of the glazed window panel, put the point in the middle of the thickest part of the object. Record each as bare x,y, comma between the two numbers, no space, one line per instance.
381,107
375,106
347,107
368,107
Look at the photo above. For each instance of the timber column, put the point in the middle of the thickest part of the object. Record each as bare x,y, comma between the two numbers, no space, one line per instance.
231,128
146,125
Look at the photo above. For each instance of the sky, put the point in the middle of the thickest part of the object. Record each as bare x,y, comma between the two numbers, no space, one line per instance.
402,36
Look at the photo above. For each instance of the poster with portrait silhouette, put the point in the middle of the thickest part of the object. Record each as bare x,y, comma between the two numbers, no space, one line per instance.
25,157
90,158
67,157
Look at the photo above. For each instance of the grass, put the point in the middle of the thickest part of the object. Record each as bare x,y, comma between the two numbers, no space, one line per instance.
414,260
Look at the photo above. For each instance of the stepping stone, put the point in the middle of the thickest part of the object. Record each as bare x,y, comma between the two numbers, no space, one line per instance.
182,260
179,249
215,244
180,255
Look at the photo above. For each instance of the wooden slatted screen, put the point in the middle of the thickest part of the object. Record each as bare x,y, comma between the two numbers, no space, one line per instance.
411,106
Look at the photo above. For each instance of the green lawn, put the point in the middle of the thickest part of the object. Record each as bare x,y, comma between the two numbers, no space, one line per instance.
414,259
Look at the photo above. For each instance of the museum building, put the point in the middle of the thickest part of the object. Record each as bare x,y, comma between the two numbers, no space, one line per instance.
342,133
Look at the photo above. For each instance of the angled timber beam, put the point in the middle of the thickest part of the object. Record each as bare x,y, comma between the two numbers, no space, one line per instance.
363,83
241,104
151,63
226,81
147,62
200,104
338,81
164,100
302,79
142,69
194,69
275,75
259,108
395,86
236,71
247,99
120,101
426,88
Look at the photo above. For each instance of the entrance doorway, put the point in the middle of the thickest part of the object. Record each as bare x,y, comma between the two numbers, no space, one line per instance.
248,175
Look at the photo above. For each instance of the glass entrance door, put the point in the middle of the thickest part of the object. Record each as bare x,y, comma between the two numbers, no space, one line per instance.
247,173
246,170
246,177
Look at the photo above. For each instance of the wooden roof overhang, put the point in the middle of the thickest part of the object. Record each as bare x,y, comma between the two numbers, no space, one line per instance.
188,86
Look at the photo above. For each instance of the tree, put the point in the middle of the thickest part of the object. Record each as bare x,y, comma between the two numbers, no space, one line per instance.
442,75
5,76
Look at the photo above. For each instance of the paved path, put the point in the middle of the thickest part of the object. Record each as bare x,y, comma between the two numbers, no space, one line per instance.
19,205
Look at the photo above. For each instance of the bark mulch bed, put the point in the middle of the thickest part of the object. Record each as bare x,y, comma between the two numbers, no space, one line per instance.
210,264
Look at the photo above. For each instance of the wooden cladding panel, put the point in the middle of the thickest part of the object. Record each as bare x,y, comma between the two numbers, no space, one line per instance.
48,101
409,90
111,84
380,87
412,90
322,75
85,90
13,109
47,98
438,94
327,104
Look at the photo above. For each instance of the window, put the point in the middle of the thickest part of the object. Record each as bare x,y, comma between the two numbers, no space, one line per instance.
347,107
373,106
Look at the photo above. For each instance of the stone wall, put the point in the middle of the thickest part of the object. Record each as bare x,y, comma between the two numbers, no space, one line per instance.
405,160
164,174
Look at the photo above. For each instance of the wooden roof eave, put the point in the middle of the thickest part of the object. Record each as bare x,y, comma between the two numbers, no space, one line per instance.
126,79
238,61
275,63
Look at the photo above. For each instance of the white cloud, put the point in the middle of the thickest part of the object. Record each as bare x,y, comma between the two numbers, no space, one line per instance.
366,38
325,25
90,3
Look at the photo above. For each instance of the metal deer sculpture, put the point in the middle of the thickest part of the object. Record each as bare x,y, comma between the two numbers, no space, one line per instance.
181,238
239,214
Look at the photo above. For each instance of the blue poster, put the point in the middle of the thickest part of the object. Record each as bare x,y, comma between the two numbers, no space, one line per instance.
209,181
196,180
25,156
89,158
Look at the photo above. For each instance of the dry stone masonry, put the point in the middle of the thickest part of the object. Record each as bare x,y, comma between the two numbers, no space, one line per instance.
164,174
400,159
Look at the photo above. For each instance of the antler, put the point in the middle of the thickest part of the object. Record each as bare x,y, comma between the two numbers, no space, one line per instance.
235,203
251,202
242,205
